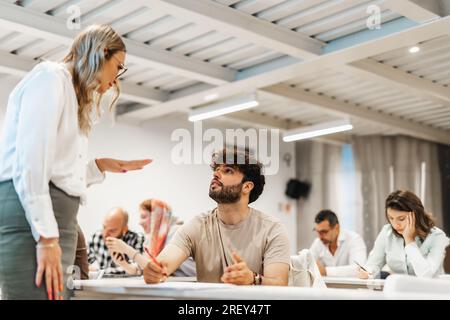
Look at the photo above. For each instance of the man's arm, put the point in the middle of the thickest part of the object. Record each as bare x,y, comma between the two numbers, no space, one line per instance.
276,274
316,251
166,263
172,256
92,249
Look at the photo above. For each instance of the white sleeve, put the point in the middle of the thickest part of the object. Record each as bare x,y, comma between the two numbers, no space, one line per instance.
427,267
377,257
358,253
342,271
41,107
93,173
315,249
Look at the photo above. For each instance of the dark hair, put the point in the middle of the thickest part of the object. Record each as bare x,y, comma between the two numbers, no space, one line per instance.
404,200
328,215
244,162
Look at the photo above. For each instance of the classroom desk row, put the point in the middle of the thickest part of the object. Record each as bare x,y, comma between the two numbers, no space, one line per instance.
399,287
353,283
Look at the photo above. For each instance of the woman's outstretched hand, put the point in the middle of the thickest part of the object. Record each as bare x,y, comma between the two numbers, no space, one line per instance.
115,165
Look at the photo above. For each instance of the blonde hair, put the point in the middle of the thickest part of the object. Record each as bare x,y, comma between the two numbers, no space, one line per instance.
90,50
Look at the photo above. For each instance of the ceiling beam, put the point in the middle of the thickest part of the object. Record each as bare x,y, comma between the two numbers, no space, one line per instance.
43,26
254,119
397,40
20,66
417,10
141,94
250,118
342,109
393,76
14,65
241,25
54,29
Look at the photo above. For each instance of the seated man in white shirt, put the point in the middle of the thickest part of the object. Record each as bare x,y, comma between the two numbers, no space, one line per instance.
336,251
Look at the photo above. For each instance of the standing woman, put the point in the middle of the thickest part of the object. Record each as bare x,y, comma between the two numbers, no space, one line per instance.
43,157
410,243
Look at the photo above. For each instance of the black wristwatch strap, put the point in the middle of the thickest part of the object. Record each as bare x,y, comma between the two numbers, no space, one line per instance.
257,279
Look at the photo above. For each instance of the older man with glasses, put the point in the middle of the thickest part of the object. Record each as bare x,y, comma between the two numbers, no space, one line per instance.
337,252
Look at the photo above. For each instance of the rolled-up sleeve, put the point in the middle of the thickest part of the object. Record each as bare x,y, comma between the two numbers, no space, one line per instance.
40,110
93,173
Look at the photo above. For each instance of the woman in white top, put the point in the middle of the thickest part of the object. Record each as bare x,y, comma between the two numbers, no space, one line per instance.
44,170
410,243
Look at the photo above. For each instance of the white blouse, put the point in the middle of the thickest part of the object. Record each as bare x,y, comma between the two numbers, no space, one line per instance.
423,259
41,142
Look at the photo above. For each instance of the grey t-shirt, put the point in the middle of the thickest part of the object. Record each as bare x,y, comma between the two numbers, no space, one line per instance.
259,239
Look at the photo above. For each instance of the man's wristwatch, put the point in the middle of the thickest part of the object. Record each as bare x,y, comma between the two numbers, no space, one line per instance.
257,279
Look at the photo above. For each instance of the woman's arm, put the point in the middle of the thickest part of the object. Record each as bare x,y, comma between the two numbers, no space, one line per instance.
377,257
95,169
40,110
120,166
93,173
423,267
429,266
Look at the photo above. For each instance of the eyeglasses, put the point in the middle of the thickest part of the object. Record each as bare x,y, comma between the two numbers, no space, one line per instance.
321,232
122,69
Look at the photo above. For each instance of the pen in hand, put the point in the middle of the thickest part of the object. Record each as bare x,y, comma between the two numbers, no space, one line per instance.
361,267
154,260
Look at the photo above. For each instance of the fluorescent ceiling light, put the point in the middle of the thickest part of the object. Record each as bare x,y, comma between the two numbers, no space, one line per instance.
414,49
224,107
317,130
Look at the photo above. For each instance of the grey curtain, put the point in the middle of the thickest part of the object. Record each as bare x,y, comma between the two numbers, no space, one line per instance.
320,164
385,164
444,165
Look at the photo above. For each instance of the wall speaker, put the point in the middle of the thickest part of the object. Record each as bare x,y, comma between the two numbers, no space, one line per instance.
297,189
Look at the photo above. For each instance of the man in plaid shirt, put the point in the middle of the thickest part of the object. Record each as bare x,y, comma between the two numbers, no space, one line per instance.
116,226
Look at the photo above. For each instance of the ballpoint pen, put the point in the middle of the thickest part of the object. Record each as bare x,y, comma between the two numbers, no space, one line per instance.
154,260
361,266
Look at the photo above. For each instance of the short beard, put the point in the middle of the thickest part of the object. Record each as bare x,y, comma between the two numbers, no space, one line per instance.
227,195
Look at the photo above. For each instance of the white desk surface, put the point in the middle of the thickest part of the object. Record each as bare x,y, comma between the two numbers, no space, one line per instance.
135,288
183,288
365,282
